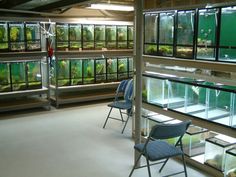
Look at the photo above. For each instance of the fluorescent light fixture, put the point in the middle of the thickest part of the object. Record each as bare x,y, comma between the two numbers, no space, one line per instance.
111,7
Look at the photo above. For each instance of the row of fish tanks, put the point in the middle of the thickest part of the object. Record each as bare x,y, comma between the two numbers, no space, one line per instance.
201,34
22,75
211,148
89,36
20,36
78,71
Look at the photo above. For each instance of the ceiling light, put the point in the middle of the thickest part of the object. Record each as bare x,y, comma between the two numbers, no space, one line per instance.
111,7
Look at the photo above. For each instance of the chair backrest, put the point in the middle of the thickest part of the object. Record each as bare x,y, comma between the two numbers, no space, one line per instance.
166,131
129,91
121,88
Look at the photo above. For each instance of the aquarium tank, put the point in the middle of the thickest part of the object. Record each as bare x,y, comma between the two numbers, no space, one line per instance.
18,76
206,36
100,67
227,51
131,67
230,163
33,36
3,37
5,82
88,36
122,37
111,37
130,37
166,34
122,68
76,69
75,37
17,36
111,69
62,36
34,75
185,34
63,72
150,33
99,32
88,71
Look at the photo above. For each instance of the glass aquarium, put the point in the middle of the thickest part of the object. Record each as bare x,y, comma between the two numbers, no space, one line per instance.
99,32
111,37
215,150
88,37
5,82
62,36
76,67
63,72
17,36
3,37
18,76
100,70
230,163
185,34
122,37
34,76
33,36
166,34
111,69
130,37
206,36
88,71
75,36
122,68
150,33
227,47
131,67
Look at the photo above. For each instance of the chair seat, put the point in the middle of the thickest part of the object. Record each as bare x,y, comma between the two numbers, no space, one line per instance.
120,105
157,150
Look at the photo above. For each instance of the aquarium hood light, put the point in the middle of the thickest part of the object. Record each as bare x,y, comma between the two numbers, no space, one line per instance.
111,7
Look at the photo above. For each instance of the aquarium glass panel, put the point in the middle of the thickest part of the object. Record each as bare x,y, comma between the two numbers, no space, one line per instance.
230,163
18,76
88,71
17,36
34,75
76,72
111,69
233,110
88,36
131,67
150,28
122,37
227,50
62,36
63,72
130,37
3,37
100,70
5,82
111,37
99,36
33,36
122,68
176,94
75,36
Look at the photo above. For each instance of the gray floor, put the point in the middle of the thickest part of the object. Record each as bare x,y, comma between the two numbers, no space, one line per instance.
69,142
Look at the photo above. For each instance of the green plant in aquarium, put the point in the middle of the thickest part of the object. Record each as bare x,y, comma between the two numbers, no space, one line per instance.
29,33
165,50
122,34
75,33
151,49
2,34
89,71
87,34
99,68
121,67
144,94
61,34
14,33
111,34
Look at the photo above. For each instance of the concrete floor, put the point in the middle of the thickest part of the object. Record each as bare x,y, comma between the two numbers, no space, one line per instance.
69,142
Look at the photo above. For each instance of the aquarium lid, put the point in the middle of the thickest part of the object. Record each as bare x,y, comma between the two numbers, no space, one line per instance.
232,151
193,130
222,140
159,118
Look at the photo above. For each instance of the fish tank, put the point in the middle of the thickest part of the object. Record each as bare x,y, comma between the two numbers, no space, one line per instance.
111,69
100,66
88,71
34,76
63,72
76,69
62,31
99,32
122,68
150,33
131,67
88,37
33,36
166,34
5,81
17,36
227,51
215,151
18,76
130,37
3,37
122,37
230,163
185,34
75,37
111,37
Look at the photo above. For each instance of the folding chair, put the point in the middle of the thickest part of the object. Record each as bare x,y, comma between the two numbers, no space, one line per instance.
156,149
125,87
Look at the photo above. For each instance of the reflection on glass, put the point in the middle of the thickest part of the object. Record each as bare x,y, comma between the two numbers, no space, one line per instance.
63,72
5,82
100,70
17,36
34,76
33,36
88,36
62,36
18,76
76,72
122,37
111,37
3,36
99,36
75,36
122,68
88,71
111,69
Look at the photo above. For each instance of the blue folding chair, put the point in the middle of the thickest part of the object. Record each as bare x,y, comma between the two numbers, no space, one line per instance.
126,88
155,149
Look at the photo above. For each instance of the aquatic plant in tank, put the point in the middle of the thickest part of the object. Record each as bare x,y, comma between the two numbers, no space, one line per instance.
88,71
62,36
3,37
33,36
122,68
76,72
17,36
63,72
75,36
88,36
100,70
5,82
18,76
122,37
111,69
111,37
34,75
99,36
130,37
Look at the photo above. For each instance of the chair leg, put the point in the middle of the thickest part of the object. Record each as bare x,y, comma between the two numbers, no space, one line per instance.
125,123
121,115
148,167
107,118
184,163
135,165
163,165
